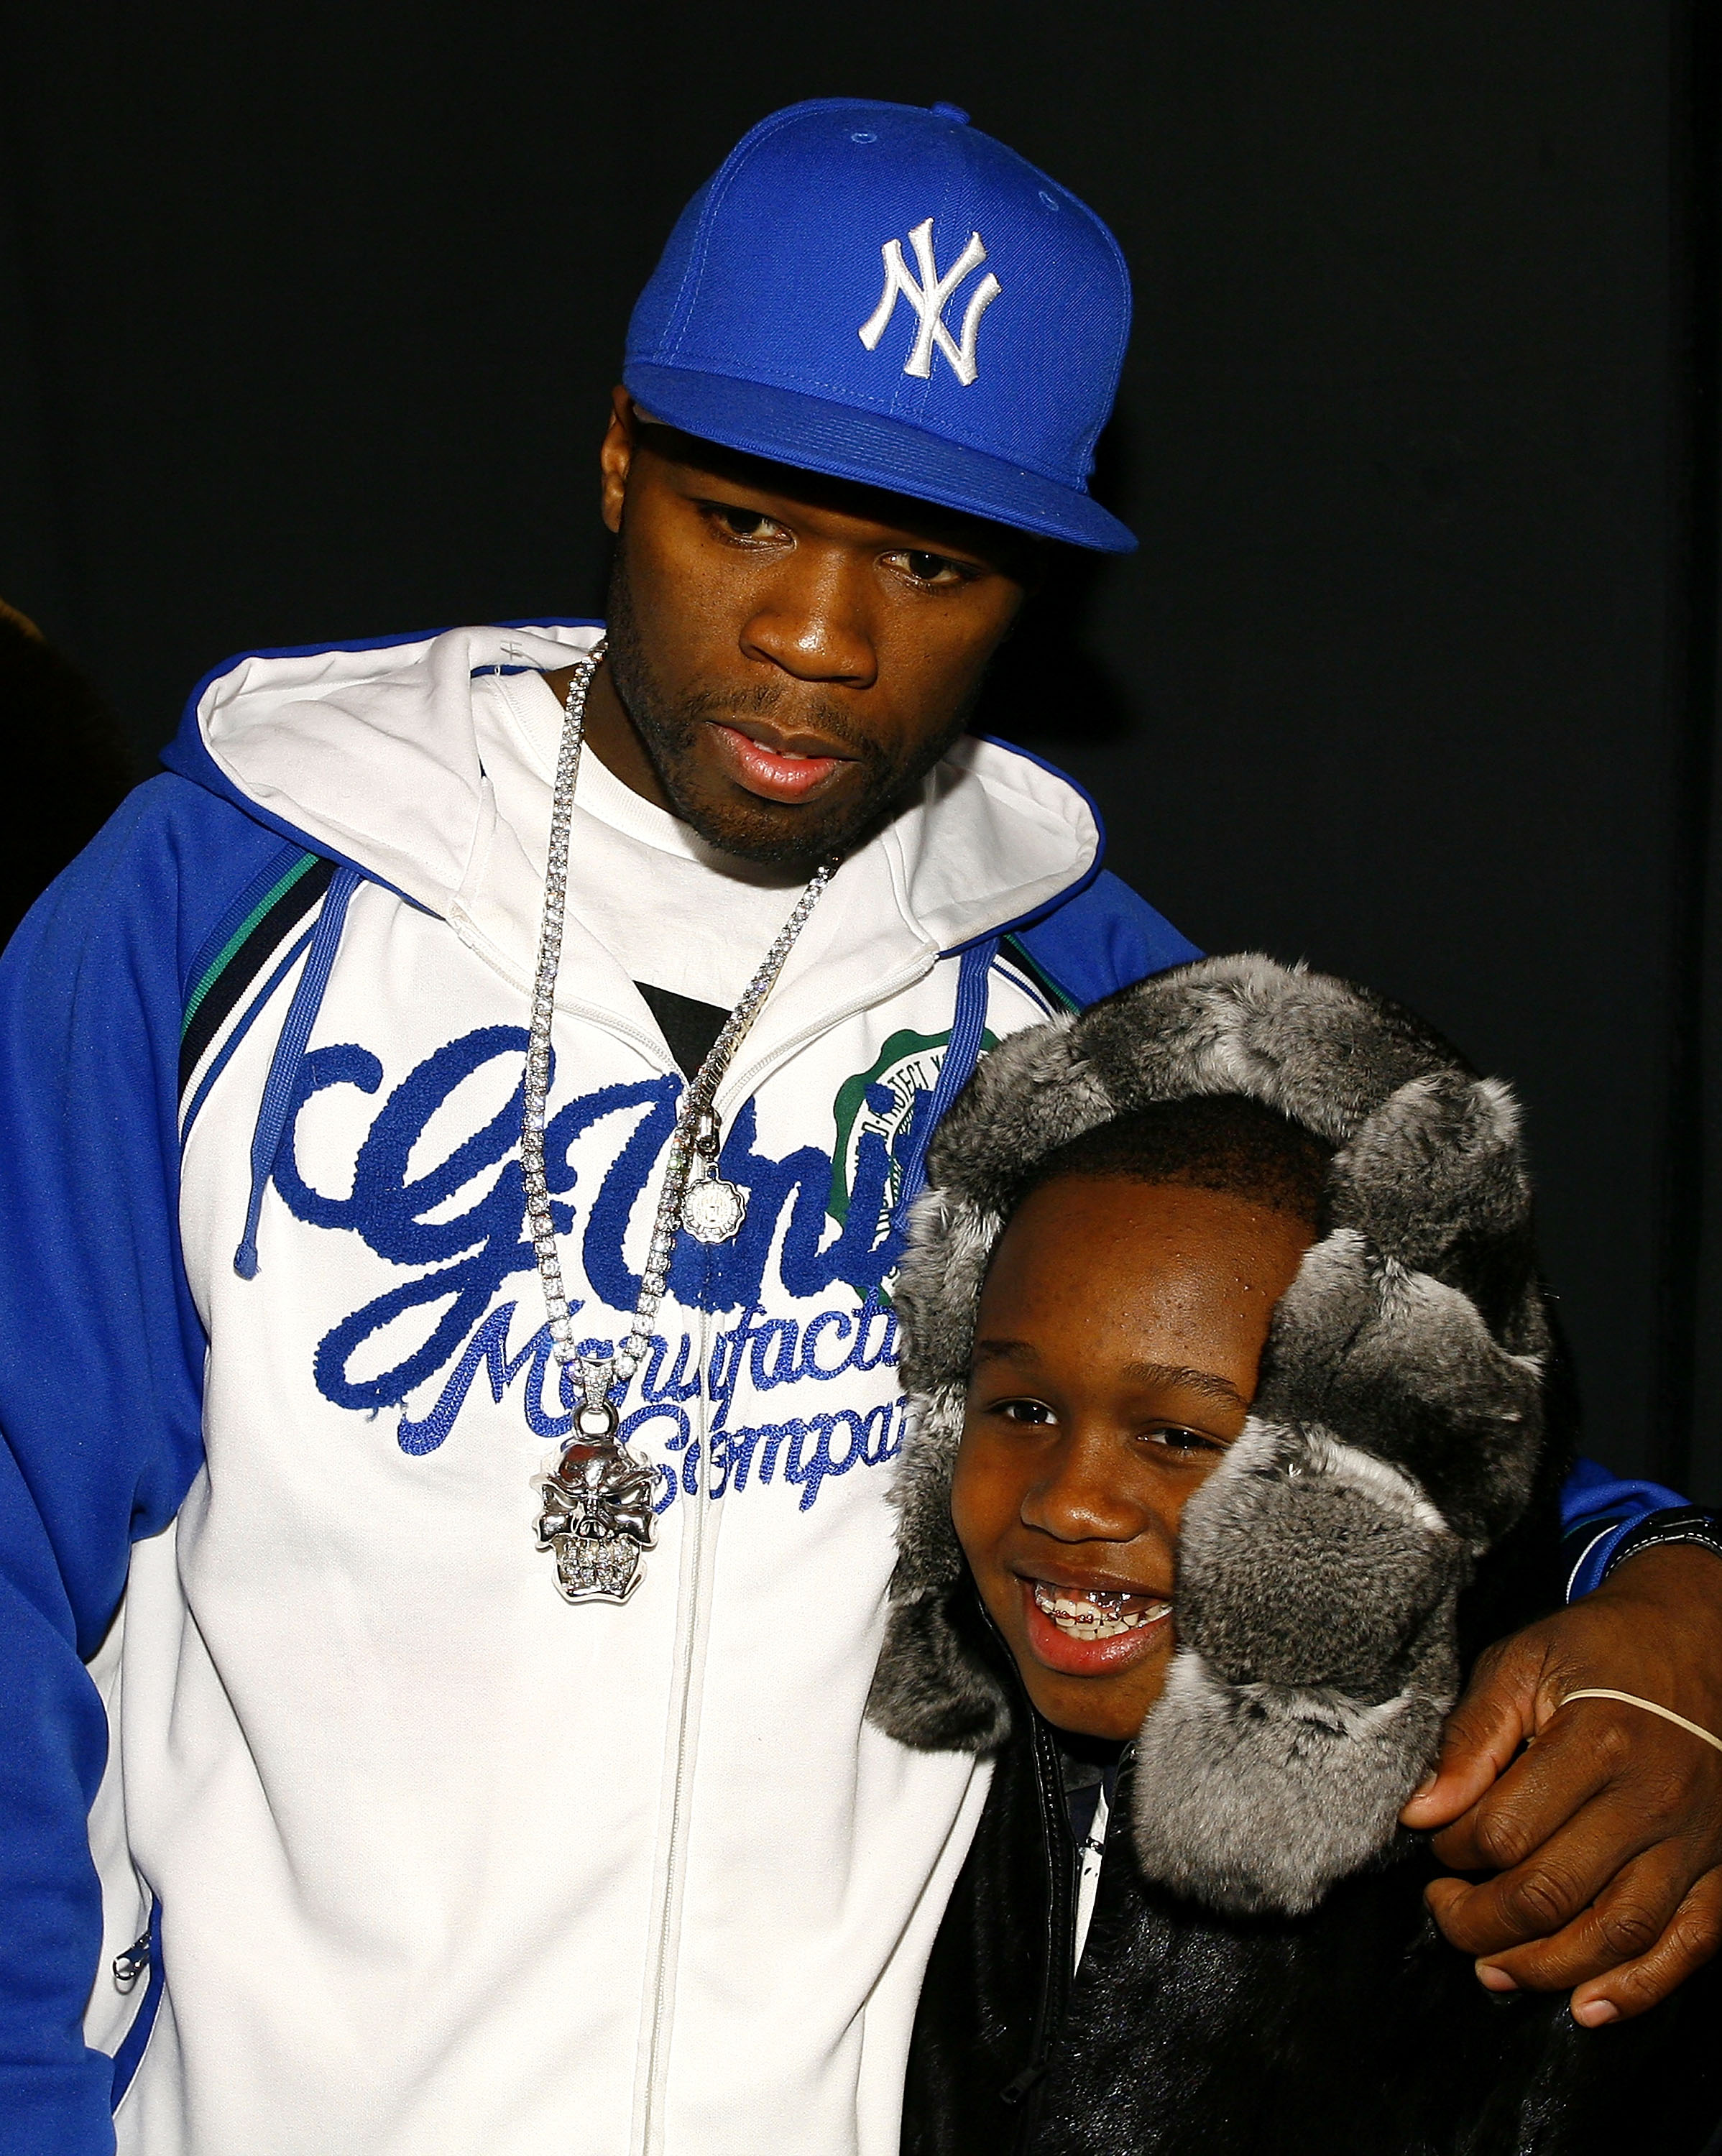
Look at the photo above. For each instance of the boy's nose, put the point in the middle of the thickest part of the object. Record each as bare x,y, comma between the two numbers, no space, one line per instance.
815,622
1082,1497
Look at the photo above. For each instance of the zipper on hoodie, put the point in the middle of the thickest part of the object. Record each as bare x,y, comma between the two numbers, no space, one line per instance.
609,1021
893,984
666,1916
144,1954
667,1924
131,1965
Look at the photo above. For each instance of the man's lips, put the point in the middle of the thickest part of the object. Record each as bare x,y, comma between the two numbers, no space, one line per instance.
1080,1639
775,769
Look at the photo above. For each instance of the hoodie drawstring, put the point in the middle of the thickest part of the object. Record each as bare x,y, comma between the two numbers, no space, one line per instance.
968,1031
277,1102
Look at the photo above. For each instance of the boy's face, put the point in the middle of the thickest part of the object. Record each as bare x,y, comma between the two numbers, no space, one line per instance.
1116,1353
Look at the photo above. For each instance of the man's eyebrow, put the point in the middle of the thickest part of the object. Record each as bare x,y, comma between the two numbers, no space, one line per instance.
972,540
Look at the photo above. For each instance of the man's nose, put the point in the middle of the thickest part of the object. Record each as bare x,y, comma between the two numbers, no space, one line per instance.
815,621
1082,1497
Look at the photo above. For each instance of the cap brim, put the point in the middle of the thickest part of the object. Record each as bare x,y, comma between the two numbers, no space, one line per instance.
815,434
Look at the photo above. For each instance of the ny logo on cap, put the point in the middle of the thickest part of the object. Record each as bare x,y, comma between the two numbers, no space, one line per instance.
928,300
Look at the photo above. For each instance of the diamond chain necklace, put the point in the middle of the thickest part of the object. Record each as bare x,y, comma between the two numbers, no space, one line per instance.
597,1514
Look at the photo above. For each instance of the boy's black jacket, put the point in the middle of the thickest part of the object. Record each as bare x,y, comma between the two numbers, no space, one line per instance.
1353,2030
1260,1974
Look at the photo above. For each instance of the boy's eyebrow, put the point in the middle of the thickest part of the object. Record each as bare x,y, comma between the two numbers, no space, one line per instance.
1002,1351
1196,1381
1152,1373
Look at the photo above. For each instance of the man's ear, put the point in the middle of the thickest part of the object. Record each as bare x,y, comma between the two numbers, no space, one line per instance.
615,459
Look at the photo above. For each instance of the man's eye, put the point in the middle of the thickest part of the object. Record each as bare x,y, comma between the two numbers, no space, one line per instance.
748,523
926,568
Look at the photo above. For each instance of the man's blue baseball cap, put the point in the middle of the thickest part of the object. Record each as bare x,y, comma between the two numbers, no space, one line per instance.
887,294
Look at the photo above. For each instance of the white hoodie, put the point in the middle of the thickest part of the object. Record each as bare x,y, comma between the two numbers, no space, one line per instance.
444,1864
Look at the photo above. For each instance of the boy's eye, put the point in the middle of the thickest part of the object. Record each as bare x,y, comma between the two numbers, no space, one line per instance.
1173,1438
1033,1412
924,567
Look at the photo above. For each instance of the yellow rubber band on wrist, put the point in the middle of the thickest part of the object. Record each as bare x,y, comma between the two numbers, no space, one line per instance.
1650,1707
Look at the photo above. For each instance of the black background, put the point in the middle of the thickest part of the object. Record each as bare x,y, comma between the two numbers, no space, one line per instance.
308,316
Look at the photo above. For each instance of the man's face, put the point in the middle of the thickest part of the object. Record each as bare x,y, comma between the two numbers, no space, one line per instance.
1116,1353
788,655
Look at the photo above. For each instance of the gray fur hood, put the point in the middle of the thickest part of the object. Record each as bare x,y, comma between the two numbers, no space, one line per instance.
1394,1438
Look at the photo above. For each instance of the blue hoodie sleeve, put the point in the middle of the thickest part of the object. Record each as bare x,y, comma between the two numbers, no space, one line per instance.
101,1358
1103,938
1597,1511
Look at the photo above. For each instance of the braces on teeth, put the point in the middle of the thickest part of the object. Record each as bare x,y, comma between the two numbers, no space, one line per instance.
1096,1612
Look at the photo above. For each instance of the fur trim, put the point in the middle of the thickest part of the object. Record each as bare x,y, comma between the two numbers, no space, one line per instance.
1228,1778
929,1690
1395,1436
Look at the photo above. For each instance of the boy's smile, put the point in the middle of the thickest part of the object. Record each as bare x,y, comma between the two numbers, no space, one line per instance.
1116,1353
1086,1630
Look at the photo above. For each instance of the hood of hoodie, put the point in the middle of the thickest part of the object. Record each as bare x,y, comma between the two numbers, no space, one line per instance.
1394,1439
369,754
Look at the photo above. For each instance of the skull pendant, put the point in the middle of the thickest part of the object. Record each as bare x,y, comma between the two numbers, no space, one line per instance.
598,1518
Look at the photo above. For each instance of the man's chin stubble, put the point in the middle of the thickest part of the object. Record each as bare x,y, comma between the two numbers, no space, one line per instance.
793,837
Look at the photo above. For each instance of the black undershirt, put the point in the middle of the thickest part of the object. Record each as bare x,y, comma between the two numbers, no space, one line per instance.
689,1027
1090,1765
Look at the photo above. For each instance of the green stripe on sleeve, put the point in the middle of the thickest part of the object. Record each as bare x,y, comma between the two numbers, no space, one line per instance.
212,973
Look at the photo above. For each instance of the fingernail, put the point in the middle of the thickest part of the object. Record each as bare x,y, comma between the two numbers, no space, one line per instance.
1493,1979
1426,1786
1595,2012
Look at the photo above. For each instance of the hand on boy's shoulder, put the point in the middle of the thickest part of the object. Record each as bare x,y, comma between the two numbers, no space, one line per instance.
1606,1831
